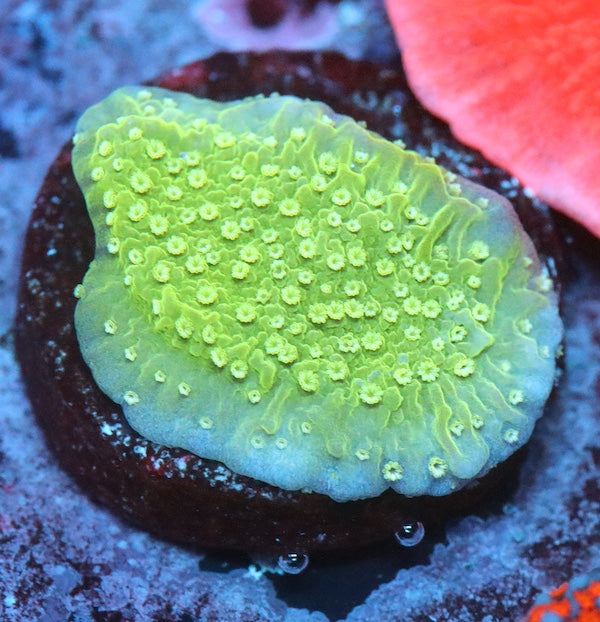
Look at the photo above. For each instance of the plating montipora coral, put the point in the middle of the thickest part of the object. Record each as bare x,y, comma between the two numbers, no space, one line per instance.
279,289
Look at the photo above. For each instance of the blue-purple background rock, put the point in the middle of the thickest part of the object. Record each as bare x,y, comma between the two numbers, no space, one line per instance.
63,556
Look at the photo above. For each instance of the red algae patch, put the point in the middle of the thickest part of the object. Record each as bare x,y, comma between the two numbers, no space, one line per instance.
518,81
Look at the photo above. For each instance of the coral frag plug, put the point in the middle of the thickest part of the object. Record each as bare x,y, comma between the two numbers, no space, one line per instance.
315,334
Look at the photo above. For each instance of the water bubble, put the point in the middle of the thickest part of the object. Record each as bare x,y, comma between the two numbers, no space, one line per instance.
410,534
293,563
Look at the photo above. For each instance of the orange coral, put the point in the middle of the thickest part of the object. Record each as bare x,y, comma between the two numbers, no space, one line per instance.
518,80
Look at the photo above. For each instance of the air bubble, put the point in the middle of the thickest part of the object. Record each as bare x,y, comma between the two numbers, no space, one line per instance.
410,534
293,563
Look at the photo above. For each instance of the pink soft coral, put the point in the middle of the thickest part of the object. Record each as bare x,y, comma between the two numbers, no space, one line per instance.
520,81
229,23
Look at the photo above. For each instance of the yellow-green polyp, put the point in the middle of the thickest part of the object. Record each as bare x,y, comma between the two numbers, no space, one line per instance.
281,290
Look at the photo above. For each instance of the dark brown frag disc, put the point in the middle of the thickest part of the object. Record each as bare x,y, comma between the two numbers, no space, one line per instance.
171,492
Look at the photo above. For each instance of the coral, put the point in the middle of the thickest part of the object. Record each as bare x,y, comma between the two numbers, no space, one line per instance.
577,601
304,301
518,81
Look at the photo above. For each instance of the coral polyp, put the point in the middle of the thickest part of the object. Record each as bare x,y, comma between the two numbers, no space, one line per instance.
279,289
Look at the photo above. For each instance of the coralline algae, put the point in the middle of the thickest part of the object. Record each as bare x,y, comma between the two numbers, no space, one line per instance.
576,601
281,290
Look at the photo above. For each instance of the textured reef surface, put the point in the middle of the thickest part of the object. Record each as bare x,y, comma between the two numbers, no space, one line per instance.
67,558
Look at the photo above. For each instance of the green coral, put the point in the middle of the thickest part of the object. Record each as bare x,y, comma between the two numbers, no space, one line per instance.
279,289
